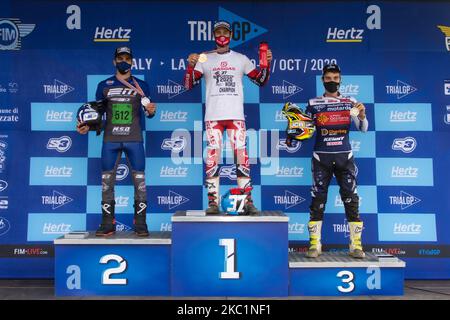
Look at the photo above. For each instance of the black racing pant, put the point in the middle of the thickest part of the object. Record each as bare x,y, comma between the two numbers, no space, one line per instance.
342,165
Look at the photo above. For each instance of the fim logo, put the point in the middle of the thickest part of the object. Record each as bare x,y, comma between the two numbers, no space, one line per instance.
400,172
289,199
61,144
228,172
176,144
282,146
401,89
173,200
446,31
11,33
56,200
287,89
120,34
404,200
406,145
122,226
172,89
58,88
122,172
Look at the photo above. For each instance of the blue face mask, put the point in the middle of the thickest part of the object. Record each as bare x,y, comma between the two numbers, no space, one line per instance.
123,67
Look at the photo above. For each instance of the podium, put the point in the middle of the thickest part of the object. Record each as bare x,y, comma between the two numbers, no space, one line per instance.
337,274
216,255
122,264
225,255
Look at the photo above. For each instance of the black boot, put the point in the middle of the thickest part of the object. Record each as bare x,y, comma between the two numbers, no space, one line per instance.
108,225
249,207
140,225
213,208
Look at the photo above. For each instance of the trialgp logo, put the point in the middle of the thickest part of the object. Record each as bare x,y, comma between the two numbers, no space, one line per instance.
56,200
400,89
287,89
289,199
172,89
11,33
243,29
172,200
58,88
404,200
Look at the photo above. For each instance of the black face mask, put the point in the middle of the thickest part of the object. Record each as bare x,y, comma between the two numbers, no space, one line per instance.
331,86
123,67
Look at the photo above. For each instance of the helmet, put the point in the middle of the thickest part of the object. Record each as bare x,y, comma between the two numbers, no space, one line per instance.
233,200
300,125
89,113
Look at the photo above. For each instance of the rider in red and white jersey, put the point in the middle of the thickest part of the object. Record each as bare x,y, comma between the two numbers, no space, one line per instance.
223,71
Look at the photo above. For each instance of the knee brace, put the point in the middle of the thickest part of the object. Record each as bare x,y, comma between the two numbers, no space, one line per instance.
317,208
140,192
108,182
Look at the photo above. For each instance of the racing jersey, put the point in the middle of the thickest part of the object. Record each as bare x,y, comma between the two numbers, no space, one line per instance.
123,109
224,90
332,119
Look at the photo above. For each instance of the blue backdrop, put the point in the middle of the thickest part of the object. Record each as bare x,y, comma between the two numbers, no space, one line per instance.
394,57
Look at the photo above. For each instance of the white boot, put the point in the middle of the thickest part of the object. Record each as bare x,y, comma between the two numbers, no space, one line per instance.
249,206
355,248
315,246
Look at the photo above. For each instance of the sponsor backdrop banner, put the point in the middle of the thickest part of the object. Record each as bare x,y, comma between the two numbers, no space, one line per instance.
53,54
